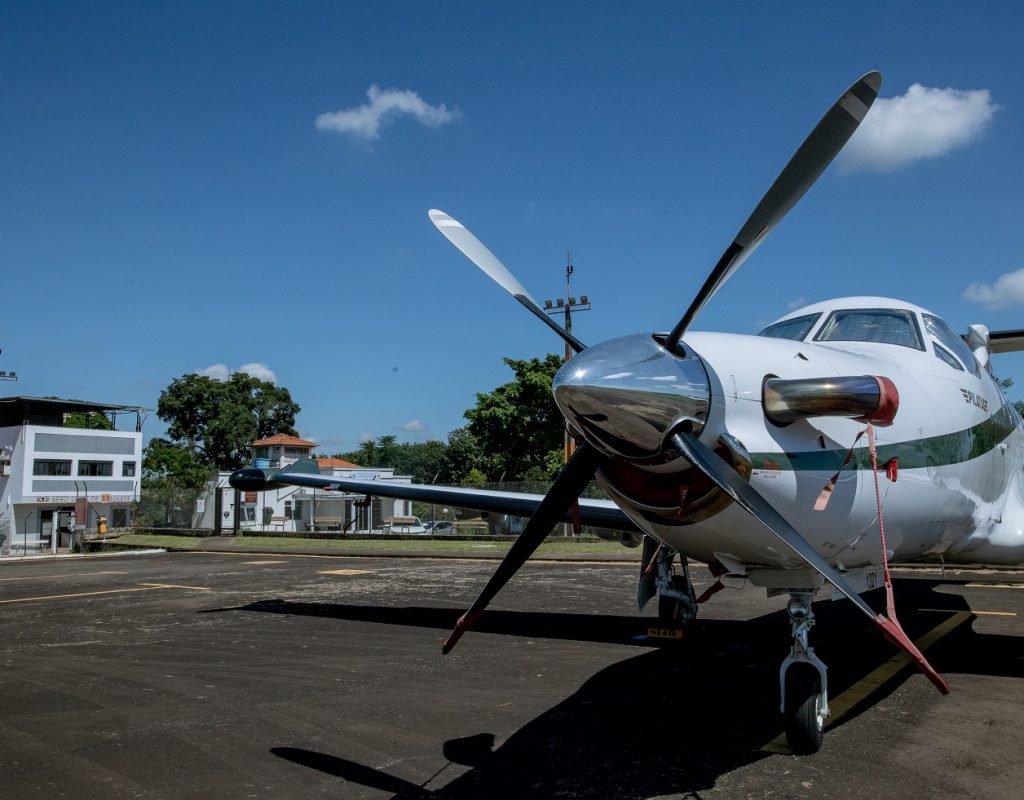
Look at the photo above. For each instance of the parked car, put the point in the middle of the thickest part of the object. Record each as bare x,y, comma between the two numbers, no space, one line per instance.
439,527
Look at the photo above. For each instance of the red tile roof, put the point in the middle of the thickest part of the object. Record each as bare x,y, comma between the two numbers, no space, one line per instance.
335,463
283,439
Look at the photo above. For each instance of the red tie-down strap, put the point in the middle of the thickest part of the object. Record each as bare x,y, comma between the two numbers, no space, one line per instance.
891,472
888,622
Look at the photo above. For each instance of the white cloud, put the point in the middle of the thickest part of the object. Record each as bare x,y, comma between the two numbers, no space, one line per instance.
364,122
923,123
413,426
1008,290
259,371
366,436
219,372
793,305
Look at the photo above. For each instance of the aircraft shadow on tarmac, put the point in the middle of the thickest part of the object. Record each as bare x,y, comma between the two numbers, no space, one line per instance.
669,720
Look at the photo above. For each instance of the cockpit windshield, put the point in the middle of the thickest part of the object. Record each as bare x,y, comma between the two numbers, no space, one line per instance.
795,329
881,325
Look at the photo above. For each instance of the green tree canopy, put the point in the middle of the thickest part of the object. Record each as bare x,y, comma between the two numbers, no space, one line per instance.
518,424
219,419
88,419
424,461
162,459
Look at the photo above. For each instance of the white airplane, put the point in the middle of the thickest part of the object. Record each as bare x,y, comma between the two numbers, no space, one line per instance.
847,435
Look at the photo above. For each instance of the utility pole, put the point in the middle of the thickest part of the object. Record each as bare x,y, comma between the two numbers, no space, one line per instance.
566,306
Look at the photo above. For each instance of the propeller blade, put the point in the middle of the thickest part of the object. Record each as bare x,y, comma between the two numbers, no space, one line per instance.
563,493
747,497
473,249
819,148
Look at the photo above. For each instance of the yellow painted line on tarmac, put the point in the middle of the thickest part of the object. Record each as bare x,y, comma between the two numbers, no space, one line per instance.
145,587
175,586
64,575
842,705
265,561
994,585
344,571
976,613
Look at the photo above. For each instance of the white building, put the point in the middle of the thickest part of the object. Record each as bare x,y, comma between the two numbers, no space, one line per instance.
294,508
54,477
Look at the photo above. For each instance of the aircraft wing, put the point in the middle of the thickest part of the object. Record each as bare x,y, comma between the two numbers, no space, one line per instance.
1006,341
593,513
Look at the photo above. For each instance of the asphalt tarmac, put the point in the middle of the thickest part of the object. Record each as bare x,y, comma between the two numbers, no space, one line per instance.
199,675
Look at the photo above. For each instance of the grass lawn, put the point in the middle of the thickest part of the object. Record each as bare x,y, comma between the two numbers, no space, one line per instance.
382,545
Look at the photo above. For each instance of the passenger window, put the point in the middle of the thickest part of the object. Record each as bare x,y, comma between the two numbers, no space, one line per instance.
881,325
795,329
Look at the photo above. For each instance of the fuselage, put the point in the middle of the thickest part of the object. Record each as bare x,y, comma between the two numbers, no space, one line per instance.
951,460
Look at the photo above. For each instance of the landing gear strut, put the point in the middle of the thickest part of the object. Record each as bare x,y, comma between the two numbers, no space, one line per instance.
804,680
677,601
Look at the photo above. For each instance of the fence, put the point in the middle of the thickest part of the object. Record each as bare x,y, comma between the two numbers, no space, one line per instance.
167,503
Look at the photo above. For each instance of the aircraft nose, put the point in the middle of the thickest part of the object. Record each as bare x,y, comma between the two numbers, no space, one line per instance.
248,479
625,395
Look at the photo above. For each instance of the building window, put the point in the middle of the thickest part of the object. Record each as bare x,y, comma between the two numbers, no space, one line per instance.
94,469
128,469
51,467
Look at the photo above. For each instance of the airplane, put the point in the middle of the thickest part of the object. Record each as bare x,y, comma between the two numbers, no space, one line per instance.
845,436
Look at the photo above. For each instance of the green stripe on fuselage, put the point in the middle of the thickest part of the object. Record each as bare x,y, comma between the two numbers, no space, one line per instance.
933,451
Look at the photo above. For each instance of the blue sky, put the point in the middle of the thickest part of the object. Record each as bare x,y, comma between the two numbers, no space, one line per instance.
170,203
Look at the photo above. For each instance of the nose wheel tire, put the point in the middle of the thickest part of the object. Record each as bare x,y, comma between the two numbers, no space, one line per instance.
670,609
805,724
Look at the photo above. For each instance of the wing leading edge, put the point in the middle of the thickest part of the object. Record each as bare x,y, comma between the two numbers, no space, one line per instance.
593,513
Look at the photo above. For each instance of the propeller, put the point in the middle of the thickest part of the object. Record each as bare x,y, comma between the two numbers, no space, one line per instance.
475,250
565,491
620,420
819,148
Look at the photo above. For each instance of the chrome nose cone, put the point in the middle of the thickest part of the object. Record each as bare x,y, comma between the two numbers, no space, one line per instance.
625,395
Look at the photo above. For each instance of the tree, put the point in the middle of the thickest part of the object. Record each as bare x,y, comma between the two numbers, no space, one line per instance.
174,477
88,419
422,460
219,419
518,424
162,459
462,456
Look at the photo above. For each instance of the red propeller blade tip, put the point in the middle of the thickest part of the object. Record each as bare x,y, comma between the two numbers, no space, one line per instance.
464,624
894,633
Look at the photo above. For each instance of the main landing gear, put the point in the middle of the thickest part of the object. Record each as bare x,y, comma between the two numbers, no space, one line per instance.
804,680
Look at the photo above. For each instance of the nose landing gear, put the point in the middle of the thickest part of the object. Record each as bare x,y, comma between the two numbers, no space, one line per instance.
803,680
677,600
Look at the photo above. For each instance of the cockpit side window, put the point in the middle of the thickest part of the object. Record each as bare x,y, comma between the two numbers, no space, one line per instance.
881,325
795,329
939,330
944,355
